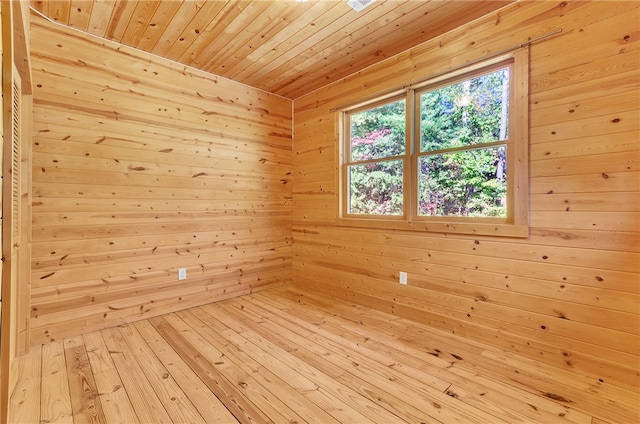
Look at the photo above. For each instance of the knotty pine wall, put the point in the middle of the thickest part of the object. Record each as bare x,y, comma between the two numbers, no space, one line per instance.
142,166
568,295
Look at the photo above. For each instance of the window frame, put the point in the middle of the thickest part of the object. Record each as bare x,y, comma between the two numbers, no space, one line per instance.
516,222
348,162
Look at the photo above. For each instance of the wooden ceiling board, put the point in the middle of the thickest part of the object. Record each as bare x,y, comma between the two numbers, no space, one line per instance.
379,39
165,11
314,26
119,20
233,35
179,22
340,59
270,23
306,40
143,13
269,49
207,38
60,11
80,14
100,16
195,31
285,47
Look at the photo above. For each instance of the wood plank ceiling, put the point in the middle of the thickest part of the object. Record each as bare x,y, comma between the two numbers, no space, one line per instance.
289,48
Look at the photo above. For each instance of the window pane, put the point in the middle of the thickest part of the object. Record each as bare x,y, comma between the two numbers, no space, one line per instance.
466,113
376,188
379,132
464,183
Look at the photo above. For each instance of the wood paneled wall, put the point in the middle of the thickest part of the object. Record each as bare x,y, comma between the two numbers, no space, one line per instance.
142,166
568,295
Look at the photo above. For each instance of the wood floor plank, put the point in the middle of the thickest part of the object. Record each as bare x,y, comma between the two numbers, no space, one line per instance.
370,327
146,404
301,352
288,354
502,408
241,408
431,401
209,406
399,330
24,401
408,385
175,402
380,353
481,359
85,404
599,421
55,404
256,384
619,404
115,402
275,376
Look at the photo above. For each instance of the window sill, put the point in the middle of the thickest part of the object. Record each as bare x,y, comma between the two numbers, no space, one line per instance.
499,229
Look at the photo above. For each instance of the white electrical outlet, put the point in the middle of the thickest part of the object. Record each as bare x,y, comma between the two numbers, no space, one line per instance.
403,278
182,273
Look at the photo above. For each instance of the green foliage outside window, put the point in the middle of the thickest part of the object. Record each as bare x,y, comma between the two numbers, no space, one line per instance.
462,183
461,158
468,182
376,188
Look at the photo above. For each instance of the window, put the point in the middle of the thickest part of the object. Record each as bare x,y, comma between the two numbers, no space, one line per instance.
447,155
377,159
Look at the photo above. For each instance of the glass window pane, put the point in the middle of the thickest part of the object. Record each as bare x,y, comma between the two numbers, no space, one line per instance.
379,132
469,112
376,188
464,183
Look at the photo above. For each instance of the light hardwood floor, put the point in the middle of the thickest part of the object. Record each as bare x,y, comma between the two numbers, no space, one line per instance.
292,356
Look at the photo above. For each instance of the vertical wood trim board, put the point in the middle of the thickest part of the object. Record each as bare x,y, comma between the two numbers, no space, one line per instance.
24,264
567,295
16,225
5,365
142,166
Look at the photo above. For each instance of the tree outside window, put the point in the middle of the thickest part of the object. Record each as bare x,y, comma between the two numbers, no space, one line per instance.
441,152
461,169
